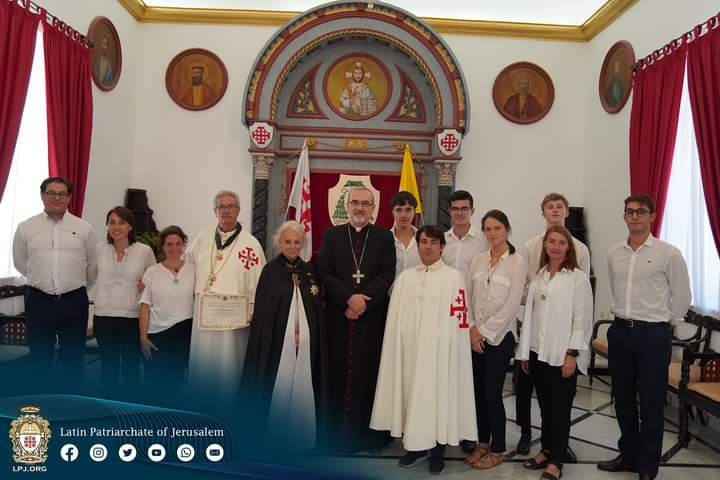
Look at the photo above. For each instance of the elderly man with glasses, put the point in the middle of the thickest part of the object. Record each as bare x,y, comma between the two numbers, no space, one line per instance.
56,252
356,263
228,261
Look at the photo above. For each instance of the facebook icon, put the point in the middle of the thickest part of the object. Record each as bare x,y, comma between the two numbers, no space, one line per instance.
69,452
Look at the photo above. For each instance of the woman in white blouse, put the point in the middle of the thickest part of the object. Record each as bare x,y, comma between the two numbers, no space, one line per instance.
495,283
554,343
166,310
121,265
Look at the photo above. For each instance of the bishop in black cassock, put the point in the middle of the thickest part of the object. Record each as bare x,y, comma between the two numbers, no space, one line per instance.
356,264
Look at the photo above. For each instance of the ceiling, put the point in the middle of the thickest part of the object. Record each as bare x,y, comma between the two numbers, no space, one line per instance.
566,20
555,12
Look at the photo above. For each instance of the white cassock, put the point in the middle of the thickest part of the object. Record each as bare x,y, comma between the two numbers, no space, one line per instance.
425,386
217,356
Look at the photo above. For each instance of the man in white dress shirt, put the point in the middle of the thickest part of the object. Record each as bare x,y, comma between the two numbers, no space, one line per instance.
555,209
403,205
651,290
228,261
463,241
56,252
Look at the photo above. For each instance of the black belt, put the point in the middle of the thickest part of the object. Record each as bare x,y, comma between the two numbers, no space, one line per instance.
52,296
630,323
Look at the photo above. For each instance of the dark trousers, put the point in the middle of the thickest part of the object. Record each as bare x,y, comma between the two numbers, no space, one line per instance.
118,340
166,370
488,378
523,397
555,396
61,318
638,358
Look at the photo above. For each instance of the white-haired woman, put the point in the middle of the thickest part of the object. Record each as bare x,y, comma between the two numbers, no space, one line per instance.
285,377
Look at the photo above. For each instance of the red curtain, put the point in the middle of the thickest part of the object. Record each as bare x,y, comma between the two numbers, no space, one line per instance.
69,107
18,31
703,82
653,125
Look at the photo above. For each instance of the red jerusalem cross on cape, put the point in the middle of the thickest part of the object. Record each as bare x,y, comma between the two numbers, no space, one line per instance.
300,200
458,309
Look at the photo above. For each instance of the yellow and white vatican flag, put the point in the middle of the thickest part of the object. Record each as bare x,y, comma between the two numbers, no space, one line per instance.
408,182
300,200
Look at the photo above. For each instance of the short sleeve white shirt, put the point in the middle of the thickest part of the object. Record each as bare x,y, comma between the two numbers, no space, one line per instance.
170,302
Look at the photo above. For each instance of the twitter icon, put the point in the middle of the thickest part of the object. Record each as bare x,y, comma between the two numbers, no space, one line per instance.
127,452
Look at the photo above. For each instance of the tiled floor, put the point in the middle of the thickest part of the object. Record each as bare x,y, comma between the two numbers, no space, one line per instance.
593,435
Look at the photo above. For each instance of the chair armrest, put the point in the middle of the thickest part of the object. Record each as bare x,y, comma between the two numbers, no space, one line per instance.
597,326
689,357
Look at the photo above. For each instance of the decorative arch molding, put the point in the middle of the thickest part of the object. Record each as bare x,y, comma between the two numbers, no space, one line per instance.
363,69
327,23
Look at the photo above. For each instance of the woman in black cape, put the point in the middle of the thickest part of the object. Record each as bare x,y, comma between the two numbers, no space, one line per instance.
285,378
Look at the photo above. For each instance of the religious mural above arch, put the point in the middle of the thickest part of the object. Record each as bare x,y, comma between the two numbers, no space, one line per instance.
410,107
356,83
303,103
357,86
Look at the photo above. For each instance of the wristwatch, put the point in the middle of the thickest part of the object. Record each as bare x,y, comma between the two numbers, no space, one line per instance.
573,353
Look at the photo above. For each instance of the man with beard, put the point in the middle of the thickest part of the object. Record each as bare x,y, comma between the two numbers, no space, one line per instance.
198,93
356,263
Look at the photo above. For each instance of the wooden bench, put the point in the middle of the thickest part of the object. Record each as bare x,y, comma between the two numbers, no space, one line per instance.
699,384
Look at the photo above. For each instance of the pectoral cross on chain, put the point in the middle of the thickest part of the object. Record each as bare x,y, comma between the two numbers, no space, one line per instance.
358,276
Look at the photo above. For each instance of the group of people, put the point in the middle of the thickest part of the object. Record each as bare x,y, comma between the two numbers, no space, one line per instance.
391,333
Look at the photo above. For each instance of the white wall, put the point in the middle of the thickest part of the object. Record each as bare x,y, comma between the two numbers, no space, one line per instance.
142,139
183,157
647,26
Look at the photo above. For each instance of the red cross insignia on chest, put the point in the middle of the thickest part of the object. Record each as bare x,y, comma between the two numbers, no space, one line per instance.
248,258
459,310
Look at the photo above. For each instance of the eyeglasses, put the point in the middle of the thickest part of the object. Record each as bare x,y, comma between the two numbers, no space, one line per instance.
227,207
640,212
57,195
460,209
358,203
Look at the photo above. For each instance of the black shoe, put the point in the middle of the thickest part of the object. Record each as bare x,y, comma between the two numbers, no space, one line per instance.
570,456
411,458
646,476
617,464
437,464
523,446
468,446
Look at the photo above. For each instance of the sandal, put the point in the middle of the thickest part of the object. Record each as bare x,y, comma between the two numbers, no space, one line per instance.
549,476
480,451
488,461
533,464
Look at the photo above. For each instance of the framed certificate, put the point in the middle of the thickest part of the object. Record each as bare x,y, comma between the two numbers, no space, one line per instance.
223,312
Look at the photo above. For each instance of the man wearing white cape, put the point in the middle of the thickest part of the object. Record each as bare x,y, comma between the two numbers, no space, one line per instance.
425,386
228,261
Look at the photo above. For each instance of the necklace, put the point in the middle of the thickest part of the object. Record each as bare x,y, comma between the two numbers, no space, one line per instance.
218,257
175,271
358,275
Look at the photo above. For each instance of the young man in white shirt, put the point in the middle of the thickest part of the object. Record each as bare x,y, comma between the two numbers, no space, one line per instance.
651,290
403,205
462,243
56,252
555,209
